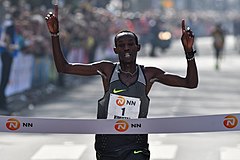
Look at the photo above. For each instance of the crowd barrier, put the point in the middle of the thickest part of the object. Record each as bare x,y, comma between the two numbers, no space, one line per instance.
29,72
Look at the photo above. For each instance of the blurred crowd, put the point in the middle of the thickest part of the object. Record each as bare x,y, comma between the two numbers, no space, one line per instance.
86,32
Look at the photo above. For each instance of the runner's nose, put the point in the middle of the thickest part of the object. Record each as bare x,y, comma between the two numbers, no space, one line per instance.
126,48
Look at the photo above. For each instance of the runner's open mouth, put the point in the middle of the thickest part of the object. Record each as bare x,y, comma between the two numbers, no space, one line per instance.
127,55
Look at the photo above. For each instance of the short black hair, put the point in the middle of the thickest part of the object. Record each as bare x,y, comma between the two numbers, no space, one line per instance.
126,31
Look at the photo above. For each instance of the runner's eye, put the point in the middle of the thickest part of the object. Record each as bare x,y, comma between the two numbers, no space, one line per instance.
121,45
130,44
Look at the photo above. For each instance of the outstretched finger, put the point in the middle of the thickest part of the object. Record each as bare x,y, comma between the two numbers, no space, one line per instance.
183,26
56,8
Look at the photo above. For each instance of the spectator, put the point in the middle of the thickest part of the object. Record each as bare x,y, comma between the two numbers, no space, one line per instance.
9,47
218,43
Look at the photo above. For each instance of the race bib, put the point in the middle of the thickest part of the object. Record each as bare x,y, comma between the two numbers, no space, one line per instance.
123,107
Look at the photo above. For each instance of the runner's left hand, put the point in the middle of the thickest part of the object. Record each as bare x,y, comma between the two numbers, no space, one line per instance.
187,38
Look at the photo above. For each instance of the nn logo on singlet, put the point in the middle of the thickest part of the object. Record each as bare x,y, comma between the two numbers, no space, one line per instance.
121,101
230,121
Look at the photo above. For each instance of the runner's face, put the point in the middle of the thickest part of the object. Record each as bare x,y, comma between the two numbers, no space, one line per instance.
126,47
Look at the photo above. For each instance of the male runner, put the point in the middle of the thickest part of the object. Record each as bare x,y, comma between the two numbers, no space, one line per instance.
125,80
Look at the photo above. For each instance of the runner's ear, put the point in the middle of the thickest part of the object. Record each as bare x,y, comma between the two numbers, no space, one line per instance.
138,47
115,50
